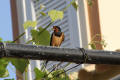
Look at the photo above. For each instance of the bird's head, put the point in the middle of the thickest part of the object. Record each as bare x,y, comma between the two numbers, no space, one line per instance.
56,29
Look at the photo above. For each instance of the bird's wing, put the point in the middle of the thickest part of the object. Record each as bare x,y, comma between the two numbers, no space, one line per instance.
63,37
51,39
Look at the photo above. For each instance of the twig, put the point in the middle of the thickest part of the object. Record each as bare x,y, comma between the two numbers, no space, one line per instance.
19,37
64,72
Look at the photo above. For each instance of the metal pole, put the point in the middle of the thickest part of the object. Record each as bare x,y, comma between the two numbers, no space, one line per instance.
75,55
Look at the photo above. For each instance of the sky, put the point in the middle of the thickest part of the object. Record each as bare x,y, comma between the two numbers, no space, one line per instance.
5,20
6,30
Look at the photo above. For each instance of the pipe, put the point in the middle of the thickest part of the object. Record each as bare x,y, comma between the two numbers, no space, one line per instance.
76,55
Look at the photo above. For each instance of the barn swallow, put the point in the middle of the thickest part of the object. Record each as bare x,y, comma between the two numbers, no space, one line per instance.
57,38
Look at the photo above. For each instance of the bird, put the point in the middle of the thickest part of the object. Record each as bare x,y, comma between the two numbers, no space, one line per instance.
56,39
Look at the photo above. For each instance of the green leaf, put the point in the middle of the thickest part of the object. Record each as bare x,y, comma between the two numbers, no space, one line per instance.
8,41
4,73
90,2
20,64
103,43
9,79
55,15
92,45
3,64
42,6
40,37
0,39
42,13
39,74
60,75
29,24
4,61
75,5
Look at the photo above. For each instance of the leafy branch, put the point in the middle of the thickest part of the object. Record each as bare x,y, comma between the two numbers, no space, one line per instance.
93,42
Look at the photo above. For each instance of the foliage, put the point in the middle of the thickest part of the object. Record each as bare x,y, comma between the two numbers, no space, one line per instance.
93,42
29,24
39,37
42,6
90,2
8,42
55,15
0,39
20,64
9,79
58,76
43,14
75,5
3,65
55,75
39,74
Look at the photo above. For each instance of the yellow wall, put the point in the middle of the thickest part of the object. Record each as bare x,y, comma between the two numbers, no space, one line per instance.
110,22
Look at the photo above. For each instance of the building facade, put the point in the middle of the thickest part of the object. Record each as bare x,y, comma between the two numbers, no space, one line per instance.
79,26
71,25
